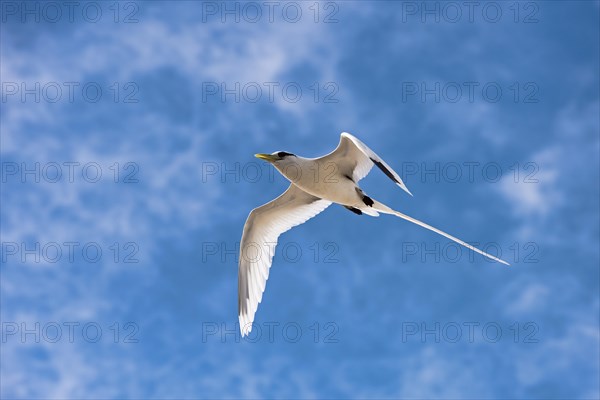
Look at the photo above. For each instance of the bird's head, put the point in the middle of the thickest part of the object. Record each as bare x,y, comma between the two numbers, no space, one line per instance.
276,157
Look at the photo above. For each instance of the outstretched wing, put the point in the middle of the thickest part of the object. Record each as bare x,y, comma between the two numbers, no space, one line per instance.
261,231
354,157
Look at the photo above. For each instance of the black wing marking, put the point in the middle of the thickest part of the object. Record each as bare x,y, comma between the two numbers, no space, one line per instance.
385,170
354,210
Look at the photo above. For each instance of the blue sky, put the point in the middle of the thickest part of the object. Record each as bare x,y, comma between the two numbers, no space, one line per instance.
138,121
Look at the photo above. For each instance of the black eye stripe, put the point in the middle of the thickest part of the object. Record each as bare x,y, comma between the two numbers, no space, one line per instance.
282,154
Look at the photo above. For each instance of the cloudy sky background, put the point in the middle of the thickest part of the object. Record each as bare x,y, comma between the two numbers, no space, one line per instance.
362,290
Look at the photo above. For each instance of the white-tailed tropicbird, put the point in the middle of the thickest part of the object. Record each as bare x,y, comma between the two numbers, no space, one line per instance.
315,184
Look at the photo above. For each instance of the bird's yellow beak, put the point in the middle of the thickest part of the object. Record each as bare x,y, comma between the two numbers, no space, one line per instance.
266,157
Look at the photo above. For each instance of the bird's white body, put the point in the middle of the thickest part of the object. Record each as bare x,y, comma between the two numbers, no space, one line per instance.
316,183
321,178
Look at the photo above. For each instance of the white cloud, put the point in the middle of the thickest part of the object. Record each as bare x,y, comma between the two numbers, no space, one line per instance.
538,194
567,166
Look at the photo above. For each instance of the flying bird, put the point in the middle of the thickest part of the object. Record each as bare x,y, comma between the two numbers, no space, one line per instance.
315,183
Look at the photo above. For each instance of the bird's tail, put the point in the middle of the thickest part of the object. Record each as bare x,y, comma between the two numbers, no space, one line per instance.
382,208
